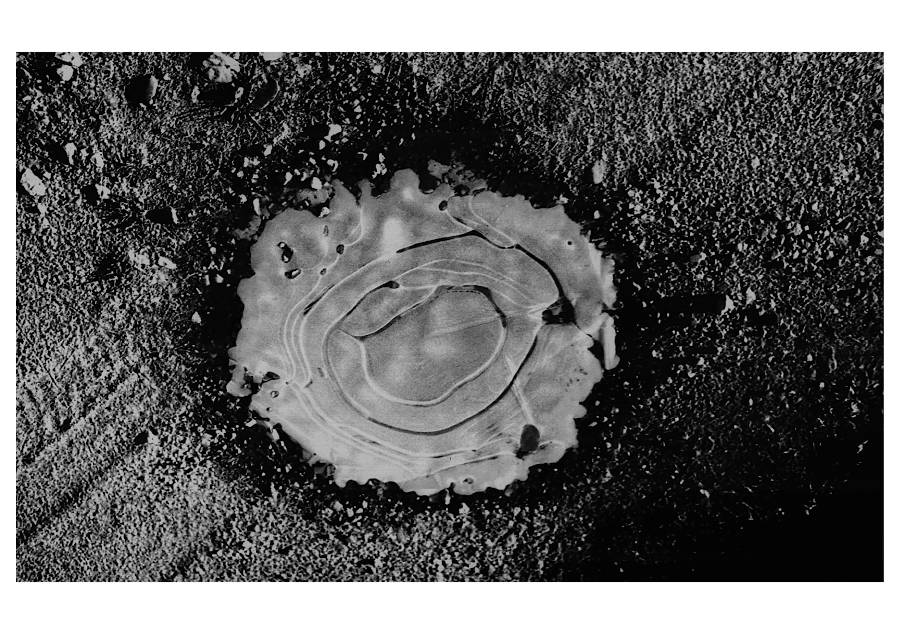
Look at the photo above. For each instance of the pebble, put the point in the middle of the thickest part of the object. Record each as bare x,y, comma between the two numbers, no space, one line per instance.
142,89
97,160
101,192
65,72
32,184
163,215
196,318
221,68
166,263
72,59
271,57
69,150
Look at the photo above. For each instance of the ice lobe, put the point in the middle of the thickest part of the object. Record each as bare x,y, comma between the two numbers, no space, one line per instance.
432,340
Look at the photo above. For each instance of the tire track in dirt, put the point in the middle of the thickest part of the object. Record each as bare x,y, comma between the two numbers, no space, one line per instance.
60,394
103,434
135,522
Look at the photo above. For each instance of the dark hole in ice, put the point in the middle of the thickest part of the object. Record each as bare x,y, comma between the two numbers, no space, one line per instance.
286,252
559,312
528,441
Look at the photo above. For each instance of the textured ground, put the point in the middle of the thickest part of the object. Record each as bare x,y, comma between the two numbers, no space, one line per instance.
743,443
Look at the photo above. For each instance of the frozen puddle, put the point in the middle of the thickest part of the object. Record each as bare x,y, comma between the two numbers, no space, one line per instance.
432,340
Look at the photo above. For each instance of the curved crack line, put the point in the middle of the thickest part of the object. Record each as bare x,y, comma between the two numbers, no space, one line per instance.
501,343
458,424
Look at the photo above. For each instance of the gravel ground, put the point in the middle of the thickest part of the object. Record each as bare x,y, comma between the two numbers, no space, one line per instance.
742,195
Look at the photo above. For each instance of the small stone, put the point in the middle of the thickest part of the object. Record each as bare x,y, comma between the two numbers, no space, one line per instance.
166,263
97,160
141,89
749,296
333,128
315,183
754,162
71,59
196,318
163,215
65,72
32,184
69,149
463,509
100,192
221,68
271,57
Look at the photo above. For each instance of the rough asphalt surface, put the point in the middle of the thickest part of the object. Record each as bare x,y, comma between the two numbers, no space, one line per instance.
740,438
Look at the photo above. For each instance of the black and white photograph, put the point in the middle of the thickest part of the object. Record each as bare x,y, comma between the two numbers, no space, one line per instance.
381,314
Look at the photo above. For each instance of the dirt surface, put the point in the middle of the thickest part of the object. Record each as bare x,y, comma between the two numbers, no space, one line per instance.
740,437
